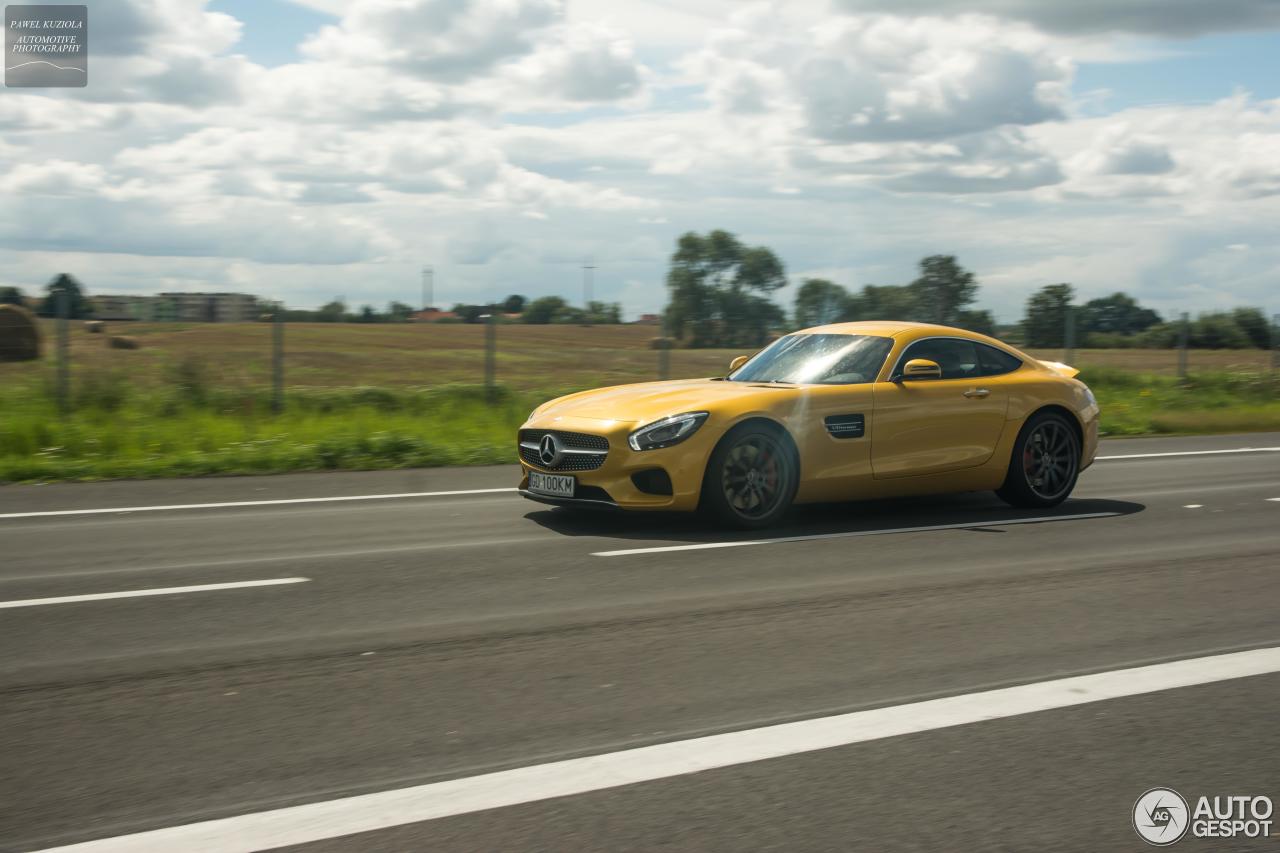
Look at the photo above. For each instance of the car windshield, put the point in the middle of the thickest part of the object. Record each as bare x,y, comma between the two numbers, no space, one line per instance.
817,360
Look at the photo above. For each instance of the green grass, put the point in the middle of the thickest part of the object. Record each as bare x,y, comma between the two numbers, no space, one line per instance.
189,425
129,434
1213,402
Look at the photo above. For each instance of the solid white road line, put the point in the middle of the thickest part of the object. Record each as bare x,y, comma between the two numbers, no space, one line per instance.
457,492
142,593
959,525
281,502
369,812
1193,453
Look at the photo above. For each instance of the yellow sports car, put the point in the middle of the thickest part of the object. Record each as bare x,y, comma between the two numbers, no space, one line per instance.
847,411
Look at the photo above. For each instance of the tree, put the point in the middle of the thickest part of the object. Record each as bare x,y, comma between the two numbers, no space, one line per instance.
332,312
1046,320
604,313
513,304
943,289
819,301
367,315
719,291
1253,323
79,306
1118,313
12,296
543,310
399,312
883,302
1218,331
977,321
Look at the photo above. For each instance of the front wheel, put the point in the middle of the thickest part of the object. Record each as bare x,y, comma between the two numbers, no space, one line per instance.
1045,463
751,477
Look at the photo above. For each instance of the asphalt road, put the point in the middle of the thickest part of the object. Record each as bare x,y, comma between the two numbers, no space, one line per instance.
423,638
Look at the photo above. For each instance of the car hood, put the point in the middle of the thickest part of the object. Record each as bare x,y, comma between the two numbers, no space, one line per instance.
649,401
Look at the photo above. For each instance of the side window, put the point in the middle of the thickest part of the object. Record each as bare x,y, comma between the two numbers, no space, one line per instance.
995,362
957,358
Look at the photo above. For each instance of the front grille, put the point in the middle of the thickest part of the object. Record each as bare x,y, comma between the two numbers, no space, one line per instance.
597,444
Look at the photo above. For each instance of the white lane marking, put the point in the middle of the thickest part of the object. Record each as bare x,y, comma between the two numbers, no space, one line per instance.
1276,500
142,593
280,502
456,492
848,534
1192,506
368,812
1193,453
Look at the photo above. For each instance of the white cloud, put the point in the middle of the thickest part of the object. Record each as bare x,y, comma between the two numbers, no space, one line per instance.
505,140
1154,17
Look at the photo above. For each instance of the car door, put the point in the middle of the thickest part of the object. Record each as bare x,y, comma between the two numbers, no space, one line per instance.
931,426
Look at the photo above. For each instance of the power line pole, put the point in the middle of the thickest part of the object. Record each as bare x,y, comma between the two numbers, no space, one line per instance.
587,269
428,286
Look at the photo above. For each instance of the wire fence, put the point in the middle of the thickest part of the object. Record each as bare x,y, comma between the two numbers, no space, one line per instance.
274,358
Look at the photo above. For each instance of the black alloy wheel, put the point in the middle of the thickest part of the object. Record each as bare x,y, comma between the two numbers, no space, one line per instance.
1045,463
751,477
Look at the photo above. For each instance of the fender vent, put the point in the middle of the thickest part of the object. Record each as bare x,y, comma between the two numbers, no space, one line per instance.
846,426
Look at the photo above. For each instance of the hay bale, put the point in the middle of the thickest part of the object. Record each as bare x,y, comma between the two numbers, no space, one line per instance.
94,327
661,343
19,334
123,342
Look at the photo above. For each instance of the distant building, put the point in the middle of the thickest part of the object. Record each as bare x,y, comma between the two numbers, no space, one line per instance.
170,307
649,320
212,307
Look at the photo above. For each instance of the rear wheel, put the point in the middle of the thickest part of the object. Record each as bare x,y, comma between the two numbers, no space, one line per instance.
751,477
1045,463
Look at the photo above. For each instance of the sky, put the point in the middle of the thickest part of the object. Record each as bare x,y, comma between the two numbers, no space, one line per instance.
307,150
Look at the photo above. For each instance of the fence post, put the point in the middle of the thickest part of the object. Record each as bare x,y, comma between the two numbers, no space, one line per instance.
664,359
277,359
490,353
1069,335
1275,341
1184,335
64,352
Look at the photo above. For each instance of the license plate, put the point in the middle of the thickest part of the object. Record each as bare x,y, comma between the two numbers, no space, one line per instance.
551,484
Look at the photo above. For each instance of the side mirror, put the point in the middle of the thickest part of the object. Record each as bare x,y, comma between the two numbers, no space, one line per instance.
920,368
738,362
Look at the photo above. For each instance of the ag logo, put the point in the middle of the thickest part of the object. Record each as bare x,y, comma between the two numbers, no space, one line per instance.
1161,817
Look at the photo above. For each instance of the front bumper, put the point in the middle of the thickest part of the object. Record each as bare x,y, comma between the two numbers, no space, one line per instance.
611,485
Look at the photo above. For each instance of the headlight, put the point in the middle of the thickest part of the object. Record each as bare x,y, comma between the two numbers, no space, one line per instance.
666,432
1088,395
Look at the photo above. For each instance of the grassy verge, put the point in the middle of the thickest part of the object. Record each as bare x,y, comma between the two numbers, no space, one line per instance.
188,427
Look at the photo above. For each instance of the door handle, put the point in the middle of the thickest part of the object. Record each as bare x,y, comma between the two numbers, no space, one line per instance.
977,392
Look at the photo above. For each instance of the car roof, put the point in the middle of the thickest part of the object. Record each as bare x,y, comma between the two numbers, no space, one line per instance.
889,329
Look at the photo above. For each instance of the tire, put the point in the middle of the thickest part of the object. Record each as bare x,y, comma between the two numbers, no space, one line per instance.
751,477
1044,464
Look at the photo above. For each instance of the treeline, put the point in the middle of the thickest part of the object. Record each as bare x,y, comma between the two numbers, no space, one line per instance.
719,291
1118,321
719,295
514,309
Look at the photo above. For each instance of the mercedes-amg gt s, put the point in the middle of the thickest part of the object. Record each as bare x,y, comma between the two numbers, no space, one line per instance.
847,411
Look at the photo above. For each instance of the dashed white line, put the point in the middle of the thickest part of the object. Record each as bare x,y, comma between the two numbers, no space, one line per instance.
142,593
226,504
959,525
369,812
1193,453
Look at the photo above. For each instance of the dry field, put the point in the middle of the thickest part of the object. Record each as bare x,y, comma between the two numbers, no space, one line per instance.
416,355
390,355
